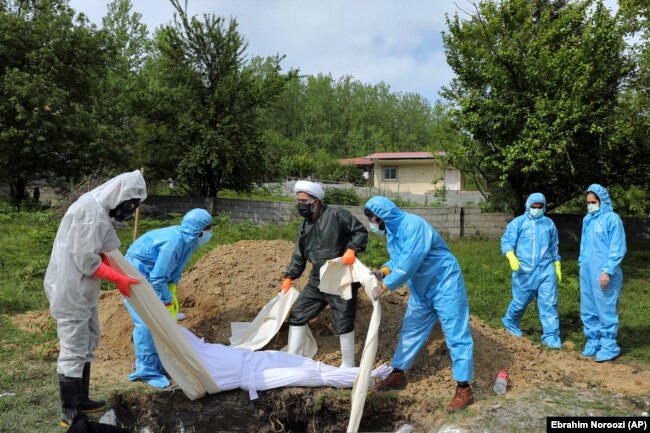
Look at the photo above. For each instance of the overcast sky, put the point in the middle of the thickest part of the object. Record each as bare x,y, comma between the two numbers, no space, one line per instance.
398,42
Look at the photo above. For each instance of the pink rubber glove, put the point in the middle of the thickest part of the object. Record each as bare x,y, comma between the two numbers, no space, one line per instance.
121,281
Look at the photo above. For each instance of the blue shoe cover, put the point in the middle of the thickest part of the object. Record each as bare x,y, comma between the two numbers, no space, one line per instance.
552,342
511,328
591,348
157,380
607,355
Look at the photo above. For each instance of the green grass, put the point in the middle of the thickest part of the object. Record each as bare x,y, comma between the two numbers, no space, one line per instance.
487,279
26,239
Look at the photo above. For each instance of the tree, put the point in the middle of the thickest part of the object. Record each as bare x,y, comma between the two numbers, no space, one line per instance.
49,128
120,89
129,34
536,95
216,118
347,118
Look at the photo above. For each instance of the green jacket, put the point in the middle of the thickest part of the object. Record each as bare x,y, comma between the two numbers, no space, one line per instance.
334,231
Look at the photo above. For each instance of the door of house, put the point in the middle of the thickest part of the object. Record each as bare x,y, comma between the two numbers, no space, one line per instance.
452,179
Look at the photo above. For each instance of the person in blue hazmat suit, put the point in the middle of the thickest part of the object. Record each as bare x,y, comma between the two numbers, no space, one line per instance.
420,258
602,248
73,280
160,256
530,243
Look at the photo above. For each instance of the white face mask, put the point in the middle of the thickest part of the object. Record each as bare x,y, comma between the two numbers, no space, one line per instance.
374,228
205,237
593,207
536,213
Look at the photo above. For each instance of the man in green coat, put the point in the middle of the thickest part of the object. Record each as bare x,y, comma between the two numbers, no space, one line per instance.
326,233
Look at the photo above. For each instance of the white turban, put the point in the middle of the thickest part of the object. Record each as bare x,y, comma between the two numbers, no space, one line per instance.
312,188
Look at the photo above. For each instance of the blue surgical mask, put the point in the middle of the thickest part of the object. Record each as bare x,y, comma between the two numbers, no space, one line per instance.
592,207
207,235
374,228
536,213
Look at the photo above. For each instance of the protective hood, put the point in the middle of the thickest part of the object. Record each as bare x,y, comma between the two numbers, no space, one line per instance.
195,221
536,197
387,211
124,187
603,196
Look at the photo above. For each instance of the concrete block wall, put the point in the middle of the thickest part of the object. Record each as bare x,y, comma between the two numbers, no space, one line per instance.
162,206
569,227
452,222
488,225
259,212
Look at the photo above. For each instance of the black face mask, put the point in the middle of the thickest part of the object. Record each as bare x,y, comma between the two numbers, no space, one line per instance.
124,211
305,210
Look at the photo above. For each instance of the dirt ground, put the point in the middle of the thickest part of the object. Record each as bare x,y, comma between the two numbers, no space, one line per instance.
233,282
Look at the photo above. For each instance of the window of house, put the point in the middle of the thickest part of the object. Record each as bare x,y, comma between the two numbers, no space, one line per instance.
390,173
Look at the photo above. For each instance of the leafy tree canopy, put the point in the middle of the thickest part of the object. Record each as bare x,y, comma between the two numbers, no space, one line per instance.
212,97
537,97
50,66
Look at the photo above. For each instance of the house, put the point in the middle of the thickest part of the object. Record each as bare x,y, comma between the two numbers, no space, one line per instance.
363,164
411,172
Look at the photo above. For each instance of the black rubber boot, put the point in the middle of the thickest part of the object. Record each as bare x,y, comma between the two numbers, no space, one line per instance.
86,404
71,390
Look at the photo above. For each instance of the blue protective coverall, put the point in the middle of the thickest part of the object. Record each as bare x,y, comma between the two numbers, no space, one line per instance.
420,258
535,243
602,248
160,256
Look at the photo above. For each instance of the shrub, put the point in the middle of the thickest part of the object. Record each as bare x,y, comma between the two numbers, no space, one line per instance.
341,196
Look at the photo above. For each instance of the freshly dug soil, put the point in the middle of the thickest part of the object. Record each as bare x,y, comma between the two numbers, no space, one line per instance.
233,282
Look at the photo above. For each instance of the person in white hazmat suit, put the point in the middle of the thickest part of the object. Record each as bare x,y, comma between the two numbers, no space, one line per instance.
73,279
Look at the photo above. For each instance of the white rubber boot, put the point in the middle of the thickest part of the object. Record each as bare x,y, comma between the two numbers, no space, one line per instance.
347,349
297,337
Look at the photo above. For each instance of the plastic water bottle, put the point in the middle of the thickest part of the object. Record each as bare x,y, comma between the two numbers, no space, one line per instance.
501,383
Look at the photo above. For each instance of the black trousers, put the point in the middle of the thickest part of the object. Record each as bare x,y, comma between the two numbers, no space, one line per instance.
312,301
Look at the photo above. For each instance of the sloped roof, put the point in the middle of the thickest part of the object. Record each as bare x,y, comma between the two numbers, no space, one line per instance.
405,155
355,161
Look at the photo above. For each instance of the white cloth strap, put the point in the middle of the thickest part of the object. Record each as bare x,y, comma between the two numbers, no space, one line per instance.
336,279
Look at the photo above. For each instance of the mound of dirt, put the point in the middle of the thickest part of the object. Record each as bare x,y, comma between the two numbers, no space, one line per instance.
233,282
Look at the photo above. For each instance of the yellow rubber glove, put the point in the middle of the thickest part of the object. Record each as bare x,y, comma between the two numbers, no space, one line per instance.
349,257
558,271
172,310
380,273
172,289
514,261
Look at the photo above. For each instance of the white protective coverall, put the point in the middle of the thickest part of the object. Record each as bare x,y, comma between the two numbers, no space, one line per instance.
85,232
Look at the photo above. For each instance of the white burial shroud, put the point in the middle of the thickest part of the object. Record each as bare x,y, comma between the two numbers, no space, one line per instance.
176,353
256,334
